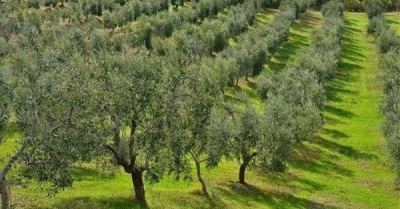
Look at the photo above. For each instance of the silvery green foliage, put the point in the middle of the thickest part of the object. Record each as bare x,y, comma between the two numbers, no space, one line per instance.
297,86
278,125
248,133
294,101
373,8
5,100
220,130
387,40
49,103
389,63
376,25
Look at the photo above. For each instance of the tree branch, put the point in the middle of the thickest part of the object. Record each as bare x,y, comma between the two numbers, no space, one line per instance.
117,127
119,159
194,156
11,161
132,154
55,128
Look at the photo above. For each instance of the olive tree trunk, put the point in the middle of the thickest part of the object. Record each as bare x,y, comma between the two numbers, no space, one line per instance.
198,173
5,198
243,166
138,186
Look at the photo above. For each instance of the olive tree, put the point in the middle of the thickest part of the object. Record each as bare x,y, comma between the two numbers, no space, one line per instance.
200,98
299,91
247,138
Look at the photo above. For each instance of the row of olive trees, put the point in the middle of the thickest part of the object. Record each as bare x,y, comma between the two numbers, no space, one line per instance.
198,11
254,48
325,44
242,131
298,92
388,45
360,6
205,39
246,133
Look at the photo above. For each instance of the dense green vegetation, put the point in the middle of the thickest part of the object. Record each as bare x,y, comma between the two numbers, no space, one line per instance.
90,94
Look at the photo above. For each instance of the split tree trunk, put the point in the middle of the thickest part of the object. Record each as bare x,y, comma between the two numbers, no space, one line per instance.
201,180
5,198
243,166
138,186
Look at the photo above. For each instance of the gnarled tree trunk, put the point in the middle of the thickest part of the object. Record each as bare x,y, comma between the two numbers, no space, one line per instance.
243,166
138,186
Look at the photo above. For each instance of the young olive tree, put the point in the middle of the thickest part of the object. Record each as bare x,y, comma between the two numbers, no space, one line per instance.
247,137
263,137
199,96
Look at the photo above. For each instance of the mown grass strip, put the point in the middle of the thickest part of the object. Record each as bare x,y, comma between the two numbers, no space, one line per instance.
393,18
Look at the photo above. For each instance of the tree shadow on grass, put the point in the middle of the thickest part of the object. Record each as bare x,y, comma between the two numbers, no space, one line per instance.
332,121
335,88
348,151
339,111
287,51
334,133
202,201
95,203
265,16
307,21
309,158
251,195
289,180
391,21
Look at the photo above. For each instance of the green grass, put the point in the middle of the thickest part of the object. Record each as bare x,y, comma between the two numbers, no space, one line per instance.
346,167
393,19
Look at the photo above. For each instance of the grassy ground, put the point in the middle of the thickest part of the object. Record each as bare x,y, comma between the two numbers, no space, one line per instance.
393,19
346,167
